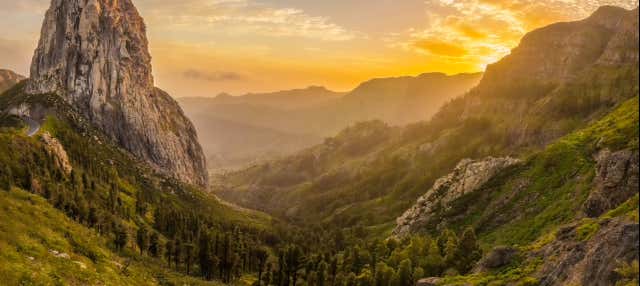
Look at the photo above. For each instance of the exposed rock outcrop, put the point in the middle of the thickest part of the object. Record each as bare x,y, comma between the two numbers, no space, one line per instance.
95,55
467,177
433,281
498,257
8,79
569,261
56,150
615,182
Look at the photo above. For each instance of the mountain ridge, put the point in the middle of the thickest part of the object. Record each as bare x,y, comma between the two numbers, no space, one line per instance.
499,117
397,101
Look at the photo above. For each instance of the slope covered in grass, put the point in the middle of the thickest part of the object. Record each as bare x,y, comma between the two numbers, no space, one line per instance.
93,201
39,245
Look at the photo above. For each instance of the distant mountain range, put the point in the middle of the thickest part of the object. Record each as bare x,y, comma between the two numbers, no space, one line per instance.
8,79
236,130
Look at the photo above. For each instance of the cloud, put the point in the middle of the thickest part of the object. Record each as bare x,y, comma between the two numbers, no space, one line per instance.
441,48
242,17
212,76
483,31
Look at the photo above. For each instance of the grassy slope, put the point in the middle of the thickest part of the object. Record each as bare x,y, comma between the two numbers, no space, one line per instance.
31,226
550,199
550,188
32,229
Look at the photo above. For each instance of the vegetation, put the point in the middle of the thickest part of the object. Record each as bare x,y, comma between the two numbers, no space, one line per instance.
105,218
138,215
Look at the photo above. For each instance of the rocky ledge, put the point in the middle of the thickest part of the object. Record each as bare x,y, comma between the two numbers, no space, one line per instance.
468,176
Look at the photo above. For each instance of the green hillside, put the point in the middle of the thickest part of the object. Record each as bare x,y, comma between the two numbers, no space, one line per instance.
39,245
93,201
517,109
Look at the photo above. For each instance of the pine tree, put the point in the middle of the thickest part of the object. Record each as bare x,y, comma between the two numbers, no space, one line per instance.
261,255
405,272
418,273
365,278
142,239
121,236
170,251
155,246
177,253
434,263
189,255
383,274
321,275
351,279
469,251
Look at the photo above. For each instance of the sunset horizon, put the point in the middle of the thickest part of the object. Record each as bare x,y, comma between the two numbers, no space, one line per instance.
203,48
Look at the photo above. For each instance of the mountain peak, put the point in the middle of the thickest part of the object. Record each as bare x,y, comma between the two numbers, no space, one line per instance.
8,79
95,55
607,11
608,37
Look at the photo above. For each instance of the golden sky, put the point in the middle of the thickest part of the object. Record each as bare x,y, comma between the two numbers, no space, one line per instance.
204,47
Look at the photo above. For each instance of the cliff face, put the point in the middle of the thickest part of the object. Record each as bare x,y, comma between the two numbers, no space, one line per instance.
95,55
562,51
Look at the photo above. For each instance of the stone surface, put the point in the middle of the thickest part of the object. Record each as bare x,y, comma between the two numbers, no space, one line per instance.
593,262
433,281
498,257
56,149
616,181
467,177
94,53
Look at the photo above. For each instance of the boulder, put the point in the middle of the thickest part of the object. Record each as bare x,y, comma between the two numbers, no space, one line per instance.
616,181
432,281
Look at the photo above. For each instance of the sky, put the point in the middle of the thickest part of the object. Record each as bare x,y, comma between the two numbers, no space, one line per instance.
205,47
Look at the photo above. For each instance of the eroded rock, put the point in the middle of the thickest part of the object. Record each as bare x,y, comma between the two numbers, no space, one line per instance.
568,261
432,281
467,177
94,53
55,149
615,182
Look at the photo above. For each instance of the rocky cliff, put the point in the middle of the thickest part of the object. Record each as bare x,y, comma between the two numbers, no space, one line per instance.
615,182
8,79
95,55
467,177
609,37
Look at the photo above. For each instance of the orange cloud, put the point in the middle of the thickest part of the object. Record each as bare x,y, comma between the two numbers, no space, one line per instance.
441,48
471,32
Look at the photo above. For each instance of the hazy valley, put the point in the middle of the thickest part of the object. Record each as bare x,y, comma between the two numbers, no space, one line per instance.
236,131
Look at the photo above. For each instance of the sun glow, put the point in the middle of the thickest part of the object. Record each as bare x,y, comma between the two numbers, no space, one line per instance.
240,46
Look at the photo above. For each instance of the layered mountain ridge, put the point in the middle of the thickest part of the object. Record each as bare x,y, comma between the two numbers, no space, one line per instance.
8,79
523,103
236,130
95,55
